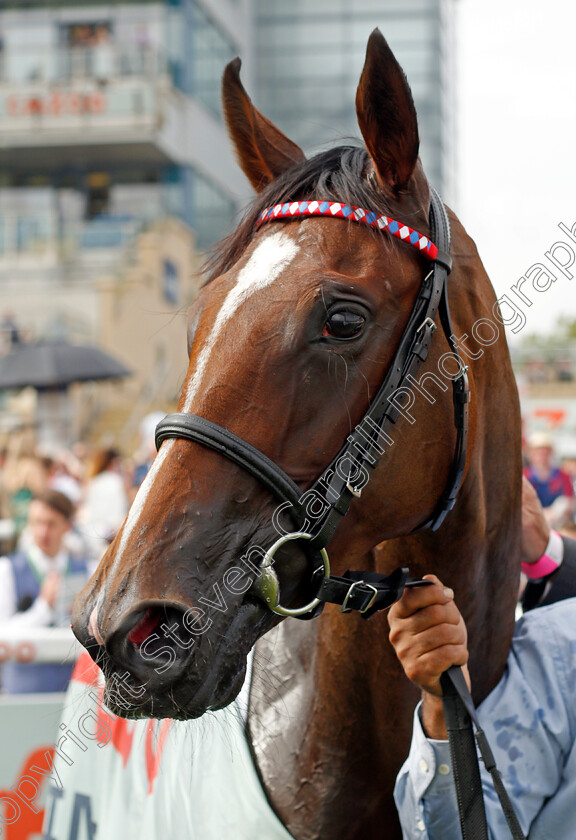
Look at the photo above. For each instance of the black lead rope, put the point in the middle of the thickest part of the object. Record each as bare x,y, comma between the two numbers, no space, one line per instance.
465,767
459,714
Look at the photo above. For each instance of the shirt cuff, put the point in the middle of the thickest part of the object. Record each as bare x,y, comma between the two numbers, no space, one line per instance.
550,560
428,764
435,763
424,791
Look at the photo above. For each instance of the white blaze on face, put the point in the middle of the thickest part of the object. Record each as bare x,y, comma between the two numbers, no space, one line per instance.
269,259
141,496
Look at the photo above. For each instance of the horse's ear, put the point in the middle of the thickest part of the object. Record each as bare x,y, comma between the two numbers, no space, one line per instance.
263,151
387,116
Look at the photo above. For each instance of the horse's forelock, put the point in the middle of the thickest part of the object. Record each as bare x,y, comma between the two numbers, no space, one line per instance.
338,174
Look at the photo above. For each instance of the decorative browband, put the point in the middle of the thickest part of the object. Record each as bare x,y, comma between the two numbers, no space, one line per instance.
337,210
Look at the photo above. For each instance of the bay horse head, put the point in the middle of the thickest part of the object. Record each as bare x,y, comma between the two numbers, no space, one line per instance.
302,318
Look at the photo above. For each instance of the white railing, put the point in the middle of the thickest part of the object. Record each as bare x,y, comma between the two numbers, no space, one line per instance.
40,644
74,90
26,232
64,64
36,234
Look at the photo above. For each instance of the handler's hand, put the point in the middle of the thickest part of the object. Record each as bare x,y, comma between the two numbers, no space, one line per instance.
428,634
50,588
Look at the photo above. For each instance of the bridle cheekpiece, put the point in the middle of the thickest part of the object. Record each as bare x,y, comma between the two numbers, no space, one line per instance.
339,485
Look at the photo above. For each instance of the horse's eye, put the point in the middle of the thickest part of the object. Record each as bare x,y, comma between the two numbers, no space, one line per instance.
344,324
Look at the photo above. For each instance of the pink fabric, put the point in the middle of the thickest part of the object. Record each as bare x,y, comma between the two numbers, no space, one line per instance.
544,566
550,560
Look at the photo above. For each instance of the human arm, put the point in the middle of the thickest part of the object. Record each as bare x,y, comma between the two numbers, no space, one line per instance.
39,614
529,720
535,527
548,558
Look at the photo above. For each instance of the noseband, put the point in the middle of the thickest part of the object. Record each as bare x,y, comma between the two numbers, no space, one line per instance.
343,480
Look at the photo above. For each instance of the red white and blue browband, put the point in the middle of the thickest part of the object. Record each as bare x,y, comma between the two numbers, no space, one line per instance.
335,209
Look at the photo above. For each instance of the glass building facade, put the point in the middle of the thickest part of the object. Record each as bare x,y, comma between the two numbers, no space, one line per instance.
210,49
96,82
114,72
310,56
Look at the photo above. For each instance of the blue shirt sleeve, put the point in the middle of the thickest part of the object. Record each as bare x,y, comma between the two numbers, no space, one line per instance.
530,722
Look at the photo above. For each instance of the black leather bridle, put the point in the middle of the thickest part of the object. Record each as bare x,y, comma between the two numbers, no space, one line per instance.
343,479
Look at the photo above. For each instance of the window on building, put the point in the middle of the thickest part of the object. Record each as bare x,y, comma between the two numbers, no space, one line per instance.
212,210
87,50
170,282
97,194
210,51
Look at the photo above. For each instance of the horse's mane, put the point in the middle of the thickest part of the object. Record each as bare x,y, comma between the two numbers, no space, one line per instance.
338,174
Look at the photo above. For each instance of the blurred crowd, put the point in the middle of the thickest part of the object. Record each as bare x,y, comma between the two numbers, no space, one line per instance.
554,480
99,482
59,511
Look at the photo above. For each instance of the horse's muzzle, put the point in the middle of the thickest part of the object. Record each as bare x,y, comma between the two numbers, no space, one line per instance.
159,661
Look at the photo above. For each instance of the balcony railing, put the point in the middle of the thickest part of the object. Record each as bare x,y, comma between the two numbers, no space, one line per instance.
99,63
25,238
77,89
106,232
26,234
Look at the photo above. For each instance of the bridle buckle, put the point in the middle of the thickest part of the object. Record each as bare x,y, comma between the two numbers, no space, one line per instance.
427,322
356,491
343,608
463,370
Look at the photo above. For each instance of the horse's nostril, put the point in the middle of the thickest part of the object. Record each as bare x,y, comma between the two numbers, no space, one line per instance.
151,643
158,634
149,622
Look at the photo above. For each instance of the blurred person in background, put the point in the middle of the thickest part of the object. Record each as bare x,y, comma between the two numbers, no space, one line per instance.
102,53
105,502
63,475
37,587
147,449
25,476
552,484
6,524
4,495
568,465
10,330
